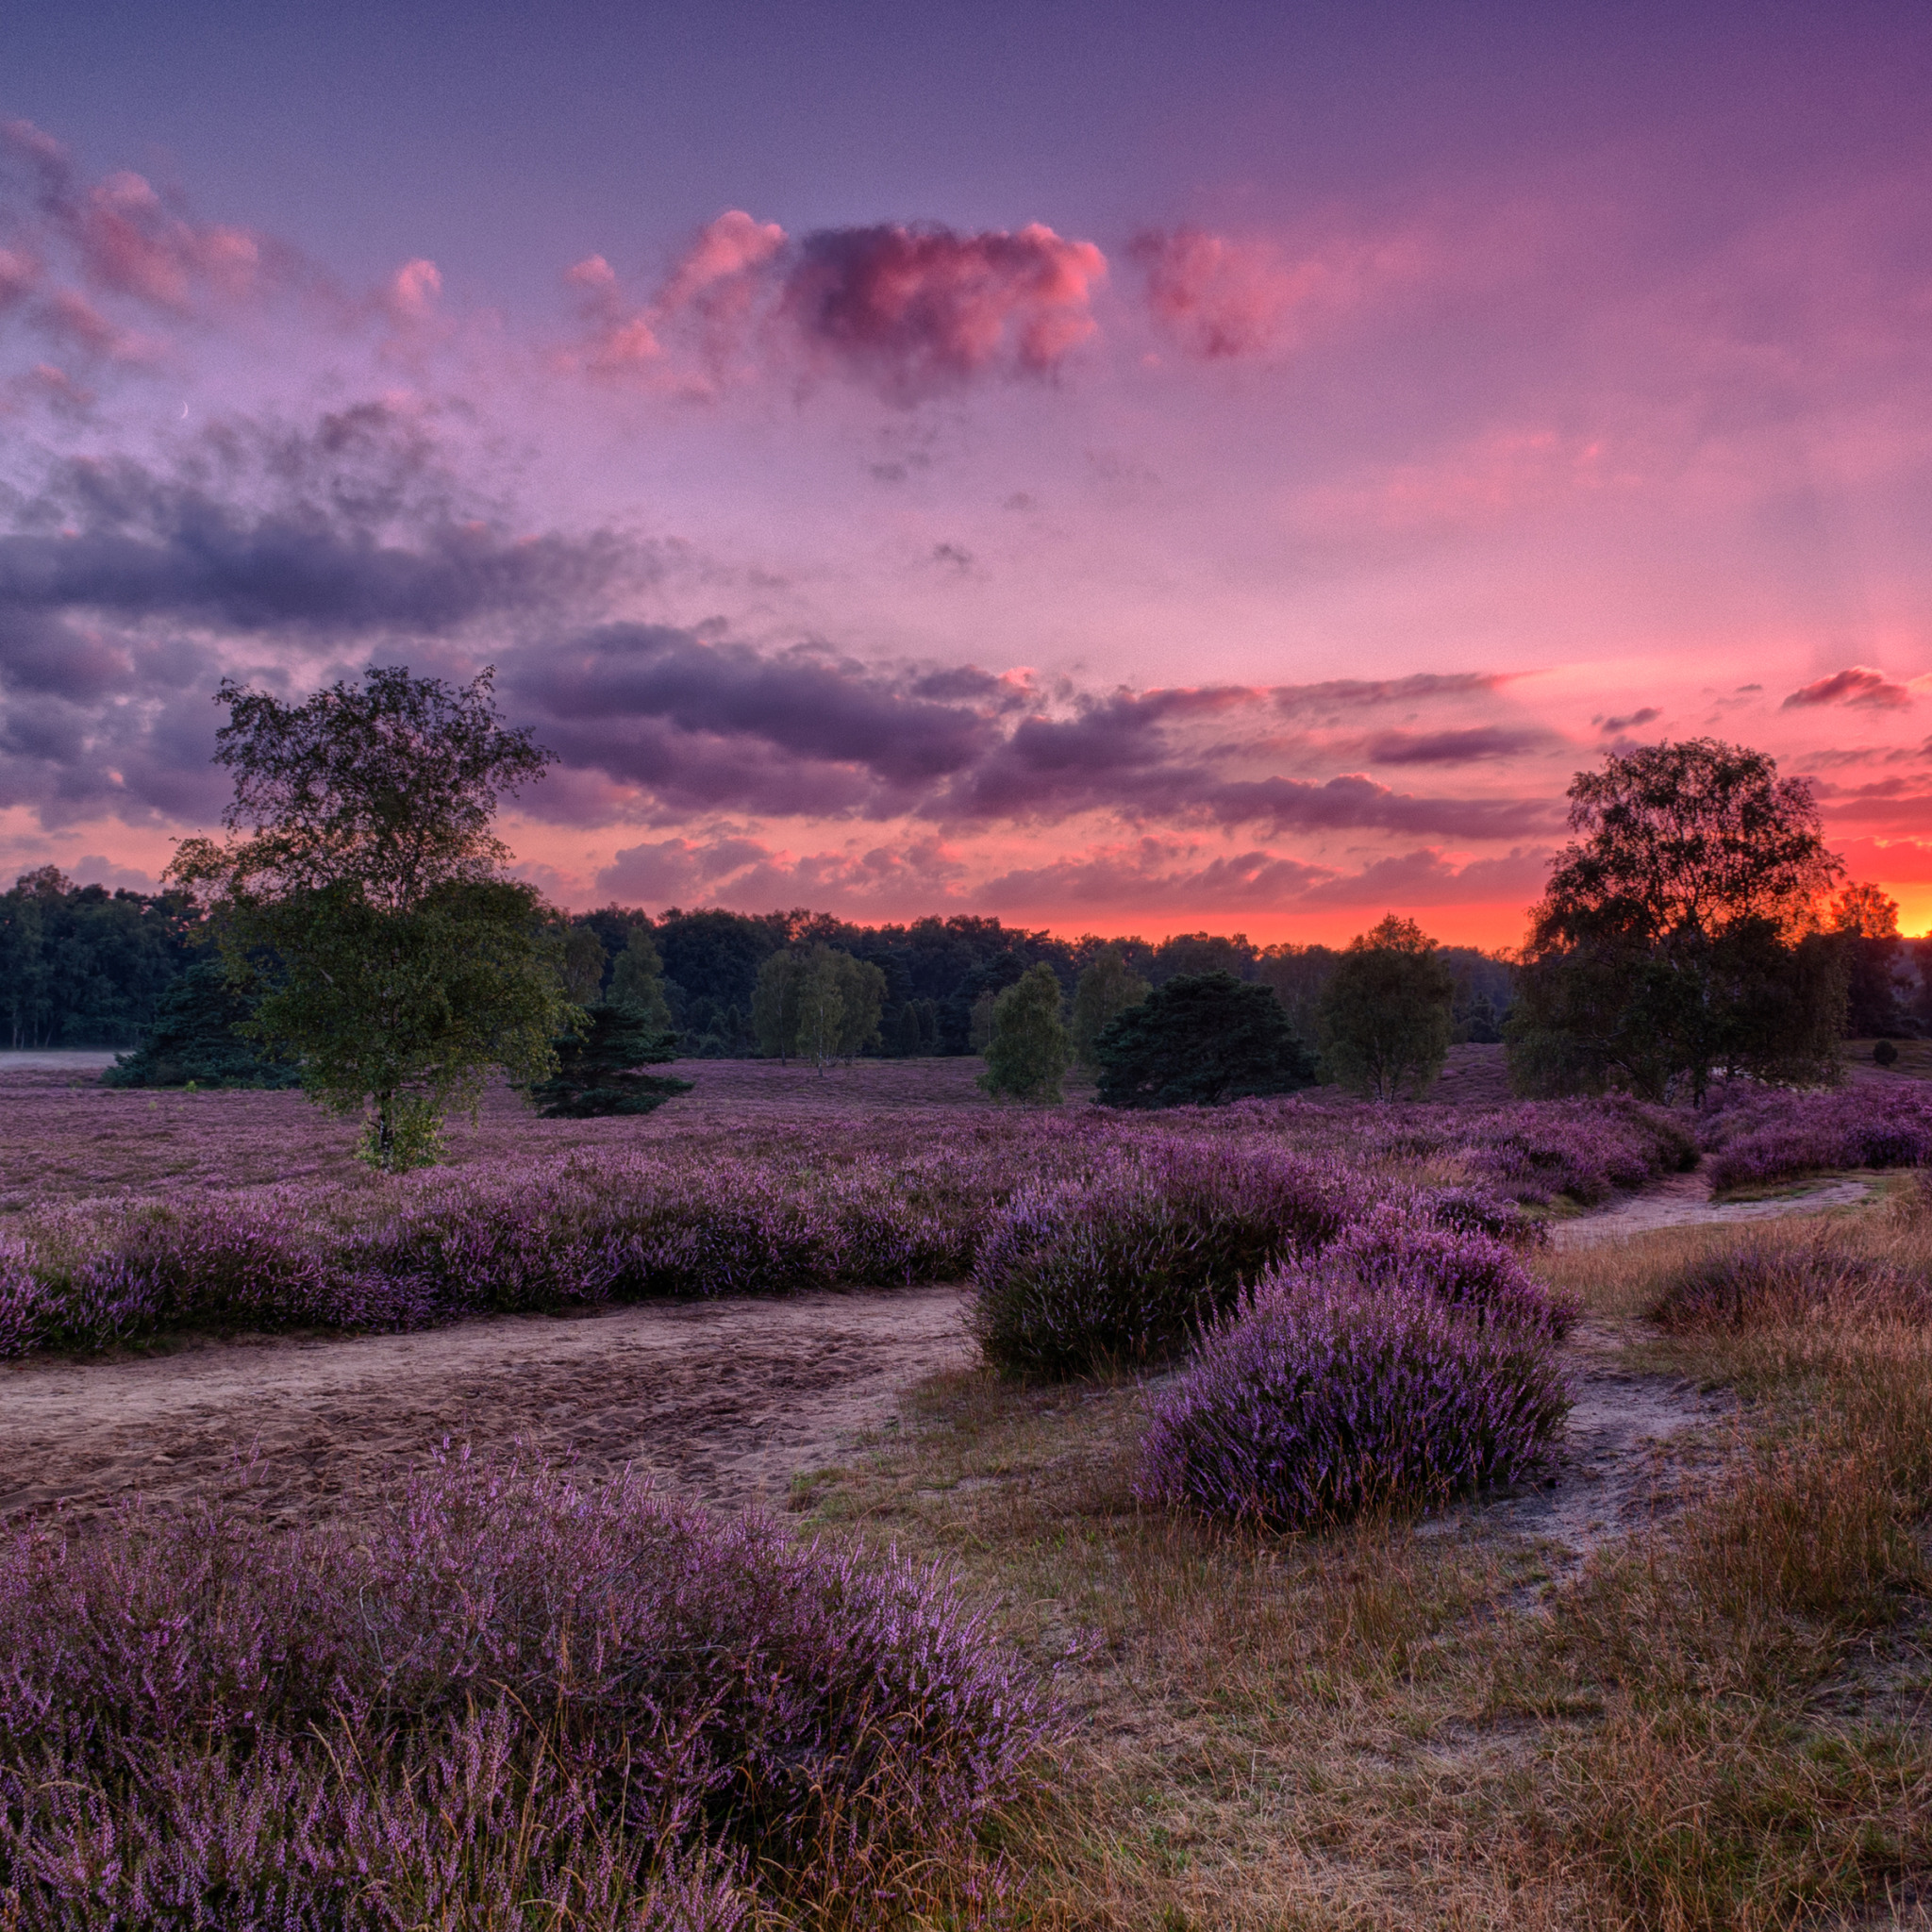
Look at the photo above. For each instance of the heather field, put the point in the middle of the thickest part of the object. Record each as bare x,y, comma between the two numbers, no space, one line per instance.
849,1501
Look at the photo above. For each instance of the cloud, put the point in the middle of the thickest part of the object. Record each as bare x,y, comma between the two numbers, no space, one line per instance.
1647,714
1347,693
1219,298
127,592
683,721
920,309
1857,686
346,530
128,240
1425,877
712,273
1454,747
910,310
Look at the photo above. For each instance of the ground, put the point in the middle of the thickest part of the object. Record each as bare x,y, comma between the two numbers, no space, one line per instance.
1377,1727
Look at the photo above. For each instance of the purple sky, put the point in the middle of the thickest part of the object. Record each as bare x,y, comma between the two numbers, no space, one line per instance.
1117,468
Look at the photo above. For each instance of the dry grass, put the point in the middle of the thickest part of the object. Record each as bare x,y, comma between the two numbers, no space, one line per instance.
1723,1723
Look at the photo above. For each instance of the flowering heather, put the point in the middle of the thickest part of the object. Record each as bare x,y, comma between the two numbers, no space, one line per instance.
1324,1398
504,1694
1128,1266
1394,1249
1758,1134
784,1199
1789,1277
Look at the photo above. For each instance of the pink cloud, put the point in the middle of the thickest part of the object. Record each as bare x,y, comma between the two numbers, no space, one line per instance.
616,340
1503,474
725,251
910,310
1859,684
1219,298
920,309
131,243
413,291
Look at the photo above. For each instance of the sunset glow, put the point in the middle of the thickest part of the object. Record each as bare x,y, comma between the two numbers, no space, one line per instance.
1112,469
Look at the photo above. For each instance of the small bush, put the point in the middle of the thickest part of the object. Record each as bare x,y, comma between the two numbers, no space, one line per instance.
508,1691
1757,1135
1127,1267
1322,1400
1391,1251
1775,1280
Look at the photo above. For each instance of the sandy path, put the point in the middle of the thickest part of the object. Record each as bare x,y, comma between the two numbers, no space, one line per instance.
1683,1200
723,1400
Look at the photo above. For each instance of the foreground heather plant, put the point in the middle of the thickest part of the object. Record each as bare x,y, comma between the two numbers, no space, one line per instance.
1326,1398
1394,1251
1128,1266
1760,1134
509,1693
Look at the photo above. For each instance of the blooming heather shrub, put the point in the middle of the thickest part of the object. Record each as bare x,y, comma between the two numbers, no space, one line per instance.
1391,1252
1321,1400
1786,1277
1127,1266
1469,1210
508,1690
1759,1134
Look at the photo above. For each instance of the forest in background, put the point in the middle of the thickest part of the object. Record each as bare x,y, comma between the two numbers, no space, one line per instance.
81,966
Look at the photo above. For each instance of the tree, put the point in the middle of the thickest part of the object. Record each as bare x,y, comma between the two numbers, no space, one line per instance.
360,897
1030,1051
1108,987
1677,937
196,1037
1199,1039
597,1068
980,1022
583,966
637,980
1384,1014
820,1003
1866,922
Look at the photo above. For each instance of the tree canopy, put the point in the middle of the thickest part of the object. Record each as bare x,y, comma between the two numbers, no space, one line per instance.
1108,987
599,1067
1028,1053
1384,1014
360,897
1199,1039
1679,934
818,1003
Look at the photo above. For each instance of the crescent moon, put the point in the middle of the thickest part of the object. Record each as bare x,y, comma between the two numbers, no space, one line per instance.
184,412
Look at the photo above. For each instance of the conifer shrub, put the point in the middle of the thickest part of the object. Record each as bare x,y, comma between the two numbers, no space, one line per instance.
503,1696
600,1067
194,1039
1324,1397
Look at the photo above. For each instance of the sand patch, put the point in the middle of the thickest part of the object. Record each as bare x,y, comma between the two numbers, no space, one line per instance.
720,1400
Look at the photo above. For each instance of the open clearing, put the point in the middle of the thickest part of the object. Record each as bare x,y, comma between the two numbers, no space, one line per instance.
723,1400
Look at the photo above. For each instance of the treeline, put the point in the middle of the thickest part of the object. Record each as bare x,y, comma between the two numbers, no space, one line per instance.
936,975
82,966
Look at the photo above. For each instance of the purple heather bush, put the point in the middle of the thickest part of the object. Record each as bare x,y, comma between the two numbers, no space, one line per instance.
1328,1396
1756,1133
1127,1266
1786,1277
504,1694
1153,1224
1395,1249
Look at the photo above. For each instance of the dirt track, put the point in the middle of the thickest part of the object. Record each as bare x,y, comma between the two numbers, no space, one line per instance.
720,1399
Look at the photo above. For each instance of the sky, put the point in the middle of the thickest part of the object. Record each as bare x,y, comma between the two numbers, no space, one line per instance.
1119,468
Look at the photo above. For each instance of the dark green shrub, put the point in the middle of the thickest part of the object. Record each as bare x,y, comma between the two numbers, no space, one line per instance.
1199,1039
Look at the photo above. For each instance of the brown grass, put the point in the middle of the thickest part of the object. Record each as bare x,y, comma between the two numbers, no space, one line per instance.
1722,1722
